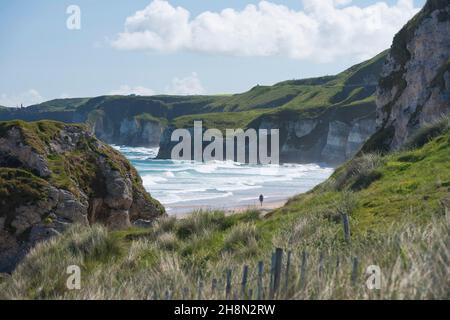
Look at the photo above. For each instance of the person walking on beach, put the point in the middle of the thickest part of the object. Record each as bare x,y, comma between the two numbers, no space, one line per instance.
261,199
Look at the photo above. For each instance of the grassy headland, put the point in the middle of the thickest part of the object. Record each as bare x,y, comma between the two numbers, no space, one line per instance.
398,208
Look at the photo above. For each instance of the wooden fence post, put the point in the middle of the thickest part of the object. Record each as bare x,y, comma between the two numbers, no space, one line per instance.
200,289
303,269
346,223
277,272
244,282
213,286
355,270
228,285
185,293
260,280
288,267
272,272
321,257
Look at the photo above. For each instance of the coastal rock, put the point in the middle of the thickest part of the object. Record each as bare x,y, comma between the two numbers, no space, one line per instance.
337,138
332,137
14,150
134,131
119,194
25,217
360,132
414,88
118,219
71,208
304,127
142,223
56,174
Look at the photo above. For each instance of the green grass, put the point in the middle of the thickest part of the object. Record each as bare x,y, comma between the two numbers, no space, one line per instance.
221,121
60,104
19,187
146,117
35,134
398,221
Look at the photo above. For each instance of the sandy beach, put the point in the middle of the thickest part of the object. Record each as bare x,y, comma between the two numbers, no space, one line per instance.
186,186
268,206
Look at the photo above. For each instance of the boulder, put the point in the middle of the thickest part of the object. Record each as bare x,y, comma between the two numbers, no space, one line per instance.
53,175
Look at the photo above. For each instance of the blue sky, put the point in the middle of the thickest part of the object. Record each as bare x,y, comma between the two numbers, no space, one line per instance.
184,47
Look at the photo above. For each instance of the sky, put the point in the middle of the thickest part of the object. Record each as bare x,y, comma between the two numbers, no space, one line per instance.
183,47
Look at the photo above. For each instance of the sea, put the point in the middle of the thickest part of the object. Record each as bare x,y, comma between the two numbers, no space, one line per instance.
187,186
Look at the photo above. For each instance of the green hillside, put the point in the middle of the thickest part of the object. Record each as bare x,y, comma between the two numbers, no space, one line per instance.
355,85
311,97
398,209
59,105
339,104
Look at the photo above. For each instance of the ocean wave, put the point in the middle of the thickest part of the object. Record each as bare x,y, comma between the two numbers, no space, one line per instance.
193,197
218,184
137,153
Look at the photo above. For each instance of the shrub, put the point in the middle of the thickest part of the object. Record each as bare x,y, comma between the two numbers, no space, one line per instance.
168,241
360,172
346,203
165,224
94,244
427,132
241,235
201,221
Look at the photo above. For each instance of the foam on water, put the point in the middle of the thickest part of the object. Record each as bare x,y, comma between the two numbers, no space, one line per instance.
186,185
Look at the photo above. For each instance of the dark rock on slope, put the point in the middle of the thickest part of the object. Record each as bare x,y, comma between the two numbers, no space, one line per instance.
54,174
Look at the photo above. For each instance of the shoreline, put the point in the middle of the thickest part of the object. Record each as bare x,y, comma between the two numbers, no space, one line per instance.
268,206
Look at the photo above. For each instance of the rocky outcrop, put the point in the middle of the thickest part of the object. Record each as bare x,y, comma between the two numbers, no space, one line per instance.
54,174
132,132
415,85
332,136
333,140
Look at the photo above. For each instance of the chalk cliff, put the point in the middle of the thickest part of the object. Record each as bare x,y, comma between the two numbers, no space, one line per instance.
414,89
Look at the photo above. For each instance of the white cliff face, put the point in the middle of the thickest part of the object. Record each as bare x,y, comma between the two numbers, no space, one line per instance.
416,91
337,138
152,132
344,140
304,140
359,132
129,127
304,127
129,131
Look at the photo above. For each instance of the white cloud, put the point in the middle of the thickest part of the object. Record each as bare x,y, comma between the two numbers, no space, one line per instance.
324,30
26,98
126,90
190,85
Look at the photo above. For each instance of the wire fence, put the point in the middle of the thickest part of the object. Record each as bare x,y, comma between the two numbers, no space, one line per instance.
281,278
